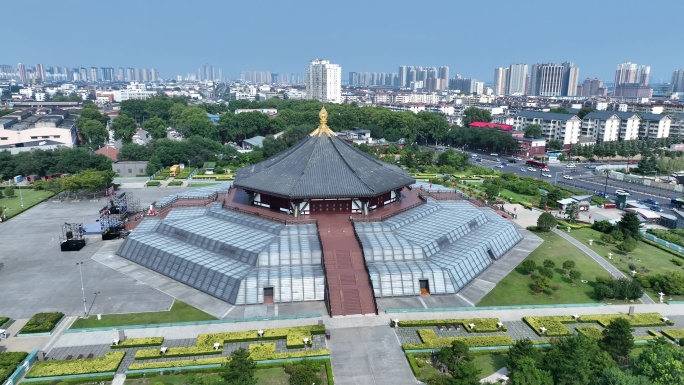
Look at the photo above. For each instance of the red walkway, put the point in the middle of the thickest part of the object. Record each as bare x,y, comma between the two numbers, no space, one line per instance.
349,287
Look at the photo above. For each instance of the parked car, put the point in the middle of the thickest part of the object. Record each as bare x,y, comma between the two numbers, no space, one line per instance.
651,201
546,174
656,208
567,177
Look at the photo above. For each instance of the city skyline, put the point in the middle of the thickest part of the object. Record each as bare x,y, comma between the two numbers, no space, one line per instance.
178,36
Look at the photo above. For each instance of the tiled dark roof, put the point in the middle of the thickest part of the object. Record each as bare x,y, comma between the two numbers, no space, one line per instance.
608,114
322,167
544,115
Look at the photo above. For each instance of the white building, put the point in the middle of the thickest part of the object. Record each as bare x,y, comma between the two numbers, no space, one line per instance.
610,126
324,81
563,127
652,126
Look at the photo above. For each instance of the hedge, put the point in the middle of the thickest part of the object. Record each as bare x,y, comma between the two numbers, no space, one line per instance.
9,362
413,364
431,341
590,331
482,325
4,320
94,379
139,342
257,352
554,324
663,248
153,183
175,183
576,225
42,323
673,334
205,342
109,363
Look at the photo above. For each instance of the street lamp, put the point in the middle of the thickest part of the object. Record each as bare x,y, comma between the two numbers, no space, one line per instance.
80,270
21,197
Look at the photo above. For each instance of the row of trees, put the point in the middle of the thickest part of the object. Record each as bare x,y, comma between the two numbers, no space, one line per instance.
47,162
88,181
241,370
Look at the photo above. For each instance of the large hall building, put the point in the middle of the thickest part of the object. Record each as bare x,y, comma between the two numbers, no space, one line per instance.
321,221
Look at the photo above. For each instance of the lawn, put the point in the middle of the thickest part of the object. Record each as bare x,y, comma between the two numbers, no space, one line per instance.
269,376
489,363
180,312
648,259
515,289
31,198
518,198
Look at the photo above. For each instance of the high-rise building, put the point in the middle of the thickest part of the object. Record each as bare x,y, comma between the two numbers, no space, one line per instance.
154,76
517,79
122,75
324,81
443,78
22,72
631,81
145,76
40,73
631,73
93,74
592,87
501,81
83,74
403,76
554,80
130,74
678,81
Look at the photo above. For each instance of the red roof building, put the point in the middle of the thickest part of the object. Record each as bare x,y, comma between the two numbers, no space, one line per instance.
110,152
505,127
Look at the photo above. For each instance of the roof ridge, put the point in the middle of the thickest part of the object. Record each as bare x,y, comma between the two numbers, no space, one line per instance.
347,163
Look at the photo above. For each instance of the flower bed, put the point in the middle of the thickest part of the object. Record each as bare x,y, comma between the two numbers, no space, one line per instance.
109,363
554,324
431,341
42,323
482,325
590,331
205,342
139,342
673,334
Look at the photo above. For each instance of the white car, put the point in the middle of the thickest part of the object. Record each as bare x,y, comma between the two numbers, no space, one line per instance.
493,154
547,175
531,169
570,165
622,192
523,169
499,166
567,177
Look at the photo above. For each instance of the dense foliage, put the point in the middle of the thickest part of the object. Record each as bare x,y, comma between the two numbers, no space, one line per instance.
58,161
240,370
9,362
41,323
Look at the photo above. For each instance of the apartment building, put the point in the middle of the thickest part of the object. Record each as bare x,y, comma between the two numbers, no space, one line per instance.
654,126
563,127
610,126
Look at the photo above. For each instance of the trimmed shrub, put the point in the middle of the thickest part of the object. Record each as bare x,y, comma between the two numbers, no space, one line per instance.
153,183
42,323
482,325
109,363
590,331
431,341
3,320
673,334
139,342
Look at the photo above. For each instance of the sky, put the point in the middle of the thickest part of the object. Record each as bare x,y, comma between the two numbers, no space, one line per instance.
471,37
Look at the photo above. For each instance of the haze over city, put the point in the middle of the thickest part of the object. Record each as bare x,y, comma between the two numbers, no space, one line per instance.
472,38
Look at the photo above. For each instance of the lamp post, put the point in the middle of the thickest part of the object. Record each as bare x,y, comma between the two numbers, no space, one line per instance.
605,189
21,197
80,270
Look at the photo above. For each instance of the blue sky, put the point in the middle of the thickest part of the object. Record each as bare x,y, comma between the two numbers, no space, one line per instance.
471,37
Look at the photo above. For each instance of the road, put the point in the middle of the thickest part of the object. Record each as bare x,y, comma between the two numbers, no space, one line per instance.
583,179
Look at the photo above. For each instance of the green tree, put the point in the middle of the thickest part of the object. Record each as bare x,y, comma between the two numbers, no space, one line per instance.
93,132
304,375
662,362
527,373
541,284
240,370
533,131
575,275
521,349
546,222
124,128
572,212
630,225
568,265
554,145
91,112
628,245
584,111
9,192
549,264
155,127
474,114
575,360
559,110
617,339
528,266
615,376
134,151
458,361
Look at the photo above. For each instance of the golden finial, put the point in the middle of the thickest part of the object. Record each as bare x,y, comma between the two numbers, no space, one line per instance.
323,127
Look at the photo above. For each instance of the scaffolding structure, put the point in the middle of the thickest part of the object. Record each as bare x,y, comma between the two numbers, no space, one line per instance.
114,216
72,238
